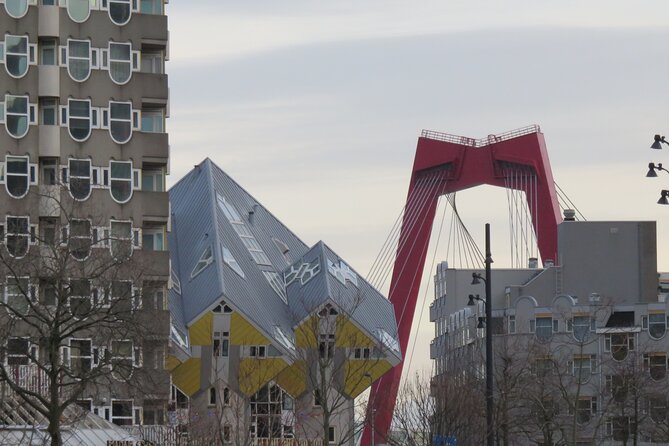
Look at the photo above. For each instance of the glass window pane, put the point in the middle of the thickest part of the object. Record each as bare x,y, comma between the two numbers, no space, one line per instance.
80,109
16,8
16,104
16,44
78,10
120,52
119,11
17,165
120,111
121,170
79,48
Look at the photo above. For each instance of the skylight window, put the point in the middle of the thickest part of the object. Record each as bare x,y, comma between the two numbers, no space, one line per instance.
176,284
206,259
388,340
283,339
277,284
231,262
242,231
230,212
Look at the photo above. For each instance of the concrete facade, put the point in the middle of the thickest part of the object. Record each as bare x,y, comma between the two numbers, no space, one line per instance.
587,337
92,134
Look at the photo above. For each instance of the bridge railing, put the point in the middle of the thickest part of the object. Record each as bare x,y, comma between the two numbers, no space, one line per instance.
482,142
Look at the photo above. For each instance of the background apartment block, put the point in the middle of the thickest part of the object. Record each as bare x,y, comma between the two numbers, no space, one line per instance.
585,340
83,103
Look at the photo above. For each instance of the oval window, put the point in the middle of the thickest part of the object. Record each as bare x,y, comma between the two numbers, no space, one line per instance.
120,11
79,10
120,65
80,179
80,239
17,237
17,173
120,121
120,179
16,115
79,119
16,55
79,59
16,8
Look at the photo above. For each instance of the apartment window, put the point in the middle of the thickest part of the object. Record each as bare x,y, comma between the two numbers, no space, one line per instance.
318,402
48,52
154,413
122,410
18,175
48,295
19,294
361,353
656,364
121,179
230,260
331,434
122,296
543,366
80,299
79,59
326,346
17,235
582,367
16,8
19,54
658,409
48,171
582,327
153,239
212,396
18,351
120,11
258,351
543,327
586,407
621,428
153,120
80,239
226,396
152,61
79,10
227,433
121,243
512,323
122,359
617,386
79,180
657,325
151,7
221,344
122,61
206,259
48,108
120,119
619,344
153,180
49,2
48,232
80,118
19,114
81,356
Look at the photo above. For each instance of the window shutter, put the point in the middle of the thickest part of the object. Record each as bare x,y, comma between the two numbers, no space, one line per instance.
63,56
136,179
135,61
95,114
136,120
104,59
105,176
63,115
32,114
95,58
32,54
33,174
105,118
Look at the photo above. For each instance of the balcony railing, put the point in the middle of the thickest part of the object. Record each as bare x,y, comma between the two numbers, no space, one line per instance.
29,377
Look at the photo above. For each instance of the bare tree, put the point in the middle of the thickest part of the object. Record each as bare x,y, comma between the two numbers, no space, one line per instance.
80,308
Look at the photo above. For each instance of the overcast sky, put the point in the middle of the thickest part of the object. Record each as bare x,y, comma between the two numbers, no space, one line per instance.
315,107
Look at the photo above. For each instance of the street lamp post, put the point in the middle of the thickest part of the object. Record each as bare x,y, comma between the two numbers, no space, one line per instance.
653,168
476,278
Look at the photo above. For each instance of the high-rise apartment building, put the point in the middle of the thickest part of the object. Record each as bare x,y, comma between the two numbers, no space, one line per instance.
84,154
580,346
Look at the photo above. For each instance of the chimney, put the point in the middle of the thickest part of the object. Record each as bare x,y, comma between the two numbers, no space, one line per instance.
533,263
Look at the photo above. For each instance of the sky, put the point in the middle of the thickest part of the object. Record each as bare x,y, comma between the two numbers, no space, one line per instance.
315,108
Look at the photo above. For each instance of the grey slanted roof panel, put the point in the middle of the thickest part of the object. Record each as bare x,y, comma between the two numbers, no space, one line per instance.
304,299
192,233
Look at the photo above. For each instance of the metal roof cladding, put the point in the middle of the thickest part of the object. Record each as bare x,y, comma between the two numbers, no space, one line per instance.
211,211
